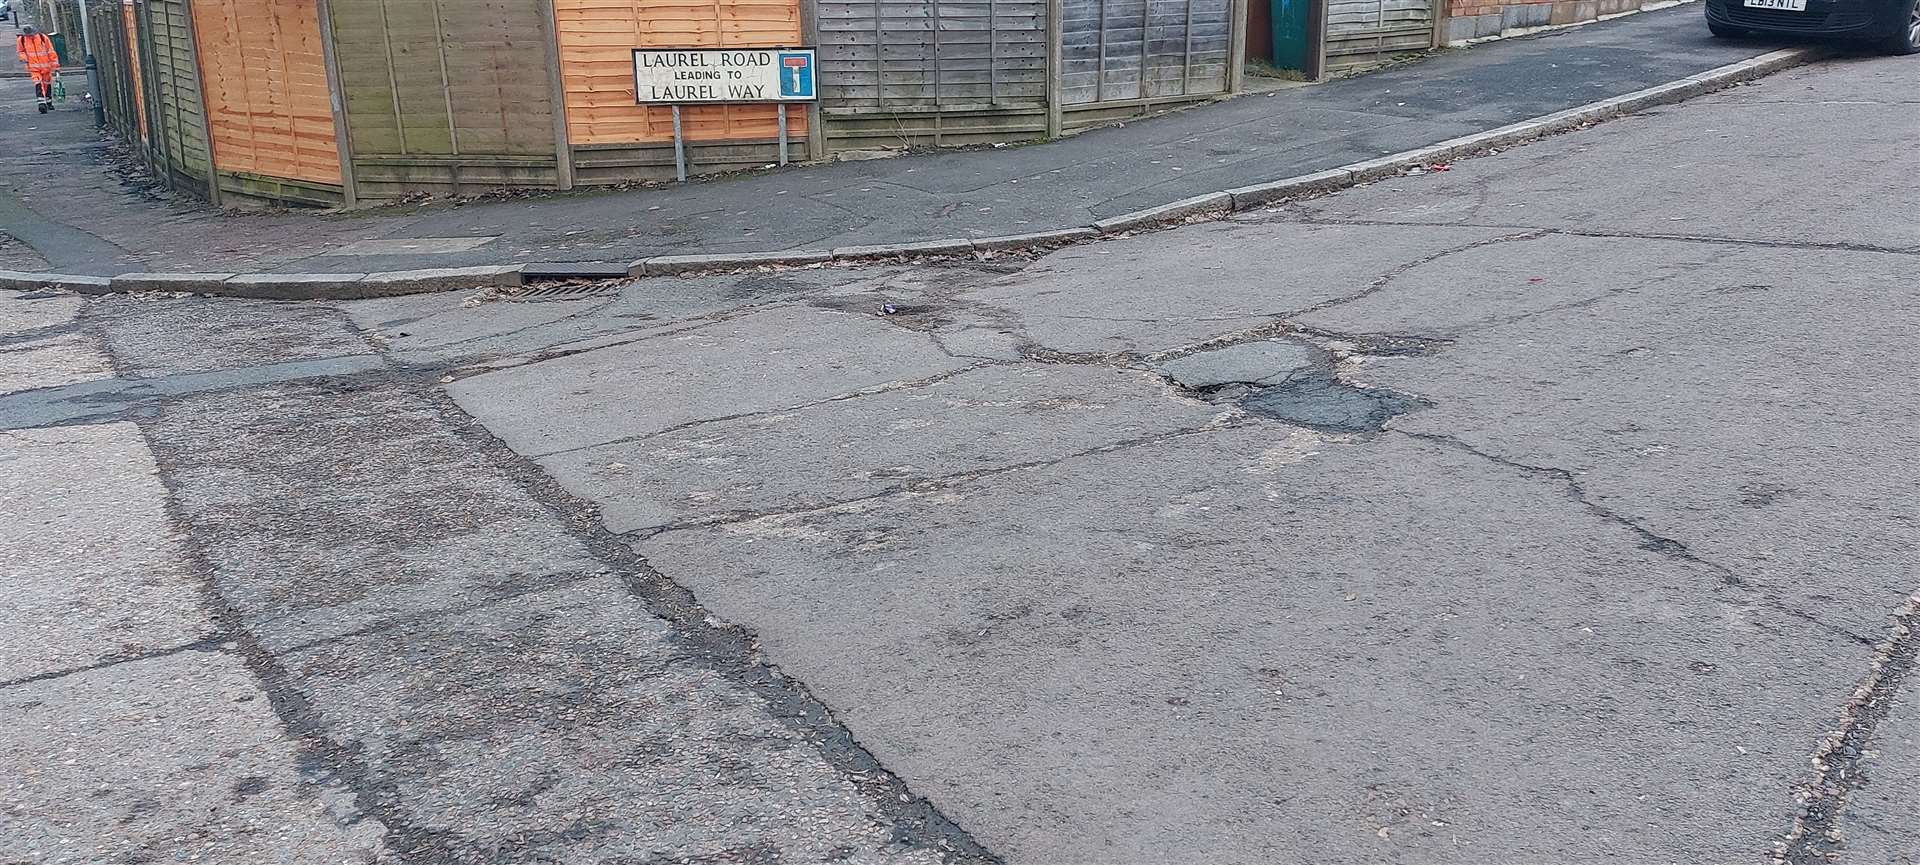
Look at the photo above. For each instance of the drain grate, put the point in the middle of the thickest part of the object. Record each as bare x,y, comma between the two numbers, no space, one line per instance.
547,292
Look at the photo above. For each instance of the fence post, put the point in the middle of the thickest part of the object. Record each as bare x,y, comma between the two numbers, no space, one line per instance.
93,67
816,118
1056,16
206,116
557,86
336,98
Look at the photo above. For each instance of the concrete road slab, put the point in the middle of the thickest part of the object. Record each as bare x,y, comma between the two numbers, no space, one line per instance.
157,335
566,723
95,571
1659,374
1236,646
1162,291
440,327
773,359
382,512
51,362
19,316
171,759
984,420
483,678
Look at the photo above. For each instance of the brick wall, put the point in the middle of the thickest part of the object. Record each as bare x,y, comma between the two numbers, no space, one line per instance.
1477,19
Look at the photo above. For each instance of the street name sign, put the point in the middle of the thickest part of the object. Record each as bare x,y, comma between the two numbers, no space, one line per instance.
696,75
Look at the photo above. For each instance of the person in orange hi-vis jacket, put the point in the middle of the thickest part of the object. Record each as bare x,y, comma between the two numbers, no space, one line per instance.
36,50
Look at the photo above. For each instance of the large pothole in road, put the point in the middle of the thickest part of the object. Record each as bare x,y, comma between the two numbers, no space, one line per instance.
1325,403
1287,381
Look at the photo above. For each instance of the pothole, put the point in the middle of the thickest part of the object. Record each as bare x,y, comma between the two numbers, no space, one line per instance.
1267,362
1326,404
1287,381
909,315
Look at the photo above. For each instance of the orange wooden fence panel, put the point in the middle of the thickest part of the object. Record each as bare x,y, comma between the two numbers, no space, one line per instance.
597,38
133,66
265,79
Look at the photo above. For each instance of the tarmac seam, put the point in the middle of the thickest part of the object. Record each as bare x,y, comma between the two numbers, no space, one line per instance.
325,760
210,643
731,650
1206,206
1814,837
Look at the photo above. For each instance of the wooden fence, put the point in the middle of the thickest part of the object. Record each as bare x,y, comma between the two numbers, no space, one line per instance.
328,102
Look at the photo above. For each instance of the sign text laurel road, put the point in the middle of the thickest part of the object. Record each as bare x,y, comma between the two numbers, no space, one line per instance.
738,75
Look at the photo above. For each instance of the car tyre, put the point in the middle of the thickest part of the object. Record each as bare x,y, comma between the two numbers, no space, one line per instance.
1905,39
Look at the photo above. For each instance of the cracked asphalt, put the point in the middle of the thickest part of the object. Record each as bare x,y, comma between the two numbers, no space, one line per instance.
1555,508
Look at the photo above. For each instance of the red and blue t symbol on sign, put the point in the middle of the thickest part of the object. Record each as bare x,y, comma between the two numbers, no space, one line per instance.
796,75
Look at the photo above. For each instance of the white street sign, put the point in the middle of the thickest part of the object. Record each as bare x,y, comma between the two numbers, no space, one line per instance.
685,76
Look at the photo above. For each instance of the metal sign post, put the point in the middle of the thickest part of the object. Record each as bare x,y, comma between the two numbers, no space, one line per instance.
679,149
783,133
708,76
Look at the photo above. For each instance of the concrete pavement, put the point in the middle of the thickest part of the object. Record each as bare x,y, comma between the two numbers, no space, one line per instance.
65,209
1555,508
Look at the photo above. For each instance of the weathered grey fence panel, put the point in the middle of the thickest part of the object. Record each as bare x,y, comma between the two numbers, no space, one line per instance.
445,95
1130,50
885,56
1364,33
181,135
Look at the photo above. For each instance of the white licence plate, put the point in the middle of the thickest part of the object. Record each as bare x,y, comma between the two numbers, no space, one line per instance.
1785,5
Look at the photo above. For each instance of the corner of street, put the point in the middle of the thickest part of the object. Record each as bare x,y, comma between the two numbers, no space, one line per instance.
1552,505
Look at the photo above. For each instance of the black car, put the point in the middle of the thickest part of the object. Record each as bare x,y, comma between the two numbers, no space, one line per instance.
1892,25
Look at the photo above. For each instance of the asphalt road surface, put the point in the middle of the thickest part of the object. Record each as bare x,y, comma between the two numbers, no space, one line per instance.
1558,507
